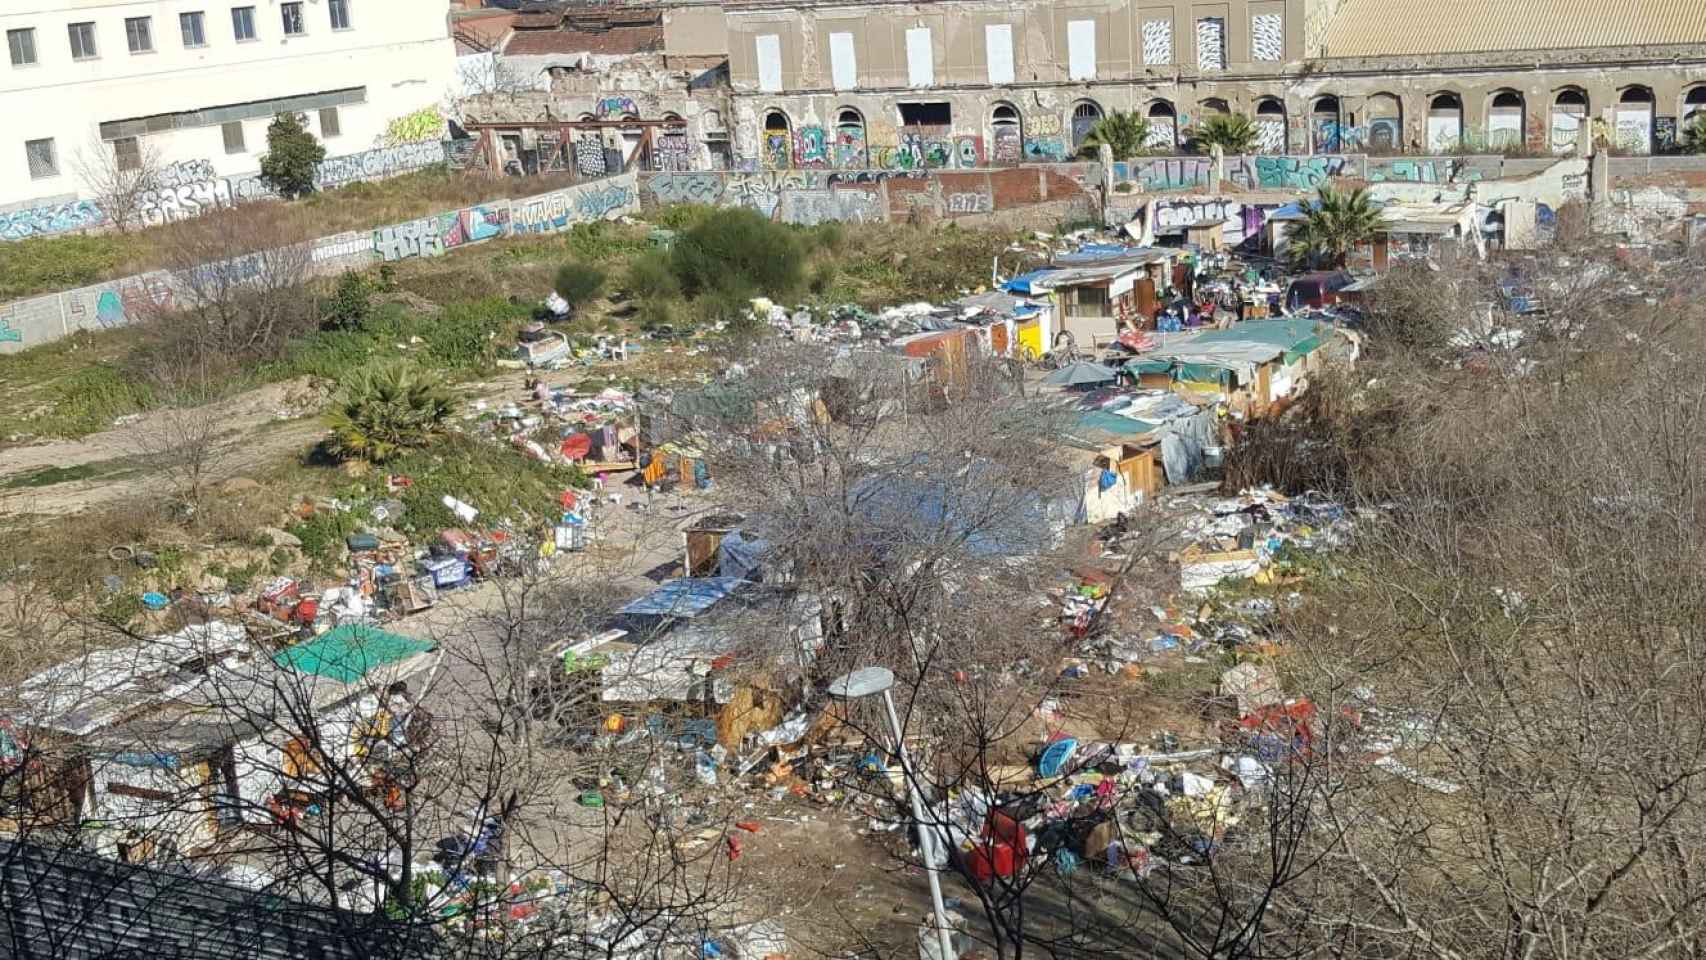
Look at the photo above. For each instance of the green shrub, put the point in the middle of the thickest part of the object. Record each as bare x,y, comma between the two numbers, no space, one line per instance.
579,282
738,253
823,276
386,410
350,303
323,535
497,479
651,277
291,157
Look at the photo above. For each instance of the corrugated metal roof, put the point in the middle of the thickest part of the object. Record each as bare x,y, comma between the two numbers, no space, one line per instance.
1375,28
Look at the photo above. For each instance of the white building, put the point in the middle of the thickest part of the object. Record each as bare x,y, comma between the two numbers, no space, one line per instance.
196,82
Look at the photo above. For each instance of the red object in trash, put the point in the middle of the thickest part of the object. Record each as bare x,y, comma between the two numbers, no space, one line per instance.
569,500
1000,851
734,847
576,446
747,825
306,612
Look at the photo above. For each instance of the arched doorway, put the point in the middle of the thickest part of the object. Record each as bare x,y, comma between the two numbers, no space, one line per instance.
849,138
1445,122
1506,115
1569,116
778,141
1007,134
1385,124
1163,126
1324,121
1634,133
630,137
1270,125
1085,115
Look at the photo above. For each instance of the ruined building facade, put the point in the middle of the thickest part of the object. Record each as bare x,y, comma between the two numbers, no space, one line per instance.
977,82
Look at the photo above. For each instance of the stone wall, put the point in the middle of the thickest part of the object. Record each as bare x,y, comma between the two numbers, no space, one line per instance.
115,303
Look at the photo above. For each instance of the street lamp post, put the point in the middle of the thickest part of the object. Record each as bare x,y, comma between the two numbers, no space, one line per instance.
865,682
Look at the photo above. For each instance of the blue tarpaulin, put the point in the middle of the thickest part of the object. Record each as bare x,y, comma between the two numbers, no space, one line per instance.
684,597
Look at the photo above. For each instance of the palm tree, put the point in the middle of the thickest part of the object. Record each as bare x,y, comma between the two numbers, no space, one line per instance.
1126,134
1233,133
1338,224
386,410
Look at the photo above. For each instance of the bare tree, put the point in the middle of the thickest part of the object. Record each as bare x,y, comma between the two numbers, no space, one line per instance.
121,179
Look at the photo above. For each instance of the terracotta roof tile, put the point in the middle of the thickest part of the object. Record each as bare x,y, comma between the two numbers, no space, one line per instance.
617,40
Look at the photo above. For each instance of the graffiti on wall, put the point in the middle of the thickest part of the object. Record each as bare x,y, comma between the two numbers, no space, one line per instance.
1047,149
1158,41
118,303
432,236
9,333
419,127
1270,135
1566,128
809,207
184,173
560,209
1176,215
673,152
1007,146
185,202
850,145
1384,133
1167,173
1430,170
1664,134
971,202
1267,37
776,149
811,147
1295,173
609,108
706,188
377,164
51,219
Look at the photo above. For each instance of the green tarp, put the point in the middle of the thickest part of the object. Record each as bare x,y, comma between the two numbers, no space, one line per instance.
350,652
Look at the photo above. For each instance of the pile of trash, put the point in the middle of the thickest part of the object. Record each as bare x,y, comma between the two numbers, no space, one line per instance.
1260,534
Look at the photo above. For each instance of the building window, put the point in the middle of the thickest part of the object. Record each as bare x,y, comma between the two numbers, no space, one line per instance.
82,41
291,13
22,43
339,9
243,22
127,153
234,137
43,162
138,34
192,27
329,123
937,114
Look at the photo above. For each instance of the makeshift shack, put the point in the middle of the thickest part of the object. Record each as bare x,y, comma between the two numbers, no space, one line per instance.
1250,365
175,740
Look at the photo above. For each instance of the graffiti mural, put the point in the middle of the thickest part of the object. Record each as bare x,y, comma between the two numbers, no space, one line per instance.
118,303
1270,135
419,127
476,224
850,145
1296,173
615,108
1385,134
1442,170
1051,150
1635,130
811,147
415,238
1211,44
56,218
1566,128
604,200
809,207
968,152
776,149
